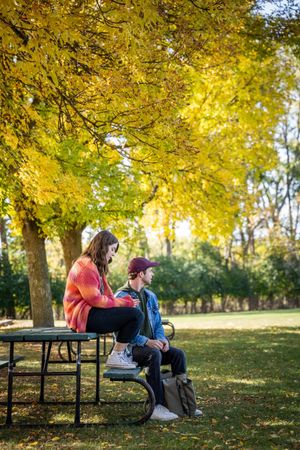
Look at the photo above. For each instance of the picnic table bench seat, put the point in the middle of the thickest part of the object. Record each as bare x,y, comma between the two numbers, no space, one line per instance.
132,375
4,362
122,374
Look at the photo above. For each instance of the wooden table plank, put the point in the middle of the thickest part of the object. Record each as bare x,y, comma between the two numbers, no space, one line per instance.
46,334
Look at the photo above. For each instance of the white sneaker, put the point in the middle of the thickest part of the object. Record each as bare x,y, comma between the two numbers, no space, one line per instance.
198,413
162,413
118,360
130,360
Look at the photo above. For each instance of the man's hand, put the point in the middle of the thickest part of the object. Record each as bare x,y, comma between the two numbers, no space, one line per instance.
166,346
155,343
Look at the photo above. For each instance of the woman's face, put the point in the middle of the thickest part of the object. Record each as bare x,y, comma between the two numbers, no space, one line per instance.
111,252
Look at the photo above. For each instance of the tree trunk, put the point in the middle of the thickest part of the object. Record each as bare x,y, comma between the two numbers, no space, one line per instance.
186,306
253,303
223,302
10,308
241,303
169,247
39,283
170,307
71,245
193,306
204,305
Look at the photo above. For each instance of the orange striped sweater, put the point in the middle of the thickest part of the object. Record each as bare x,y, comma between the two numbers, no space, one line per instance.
83,292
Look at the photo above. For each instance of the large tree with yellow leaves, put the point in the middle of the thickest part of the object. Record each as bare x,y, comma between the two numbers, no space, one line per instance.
97,98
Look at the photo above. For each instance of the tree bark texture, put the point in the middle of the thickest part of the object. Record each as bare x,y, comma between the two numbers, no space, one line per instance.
7,273
39,283
72,247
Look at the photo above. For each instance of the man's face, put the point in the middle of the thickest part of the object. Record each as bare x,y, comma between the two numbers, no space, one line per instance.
147,275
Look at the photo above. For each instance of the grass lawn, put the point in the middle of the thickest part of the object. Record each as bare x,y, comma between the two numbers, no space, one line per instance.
247,383
238,320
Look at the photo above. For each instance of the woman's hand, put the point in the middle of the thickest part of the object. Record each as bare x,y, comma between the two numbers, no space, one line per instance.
136,302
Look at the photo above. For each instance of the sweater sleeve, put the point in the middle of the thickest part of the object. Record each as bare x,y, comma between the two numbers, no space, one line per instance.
87,282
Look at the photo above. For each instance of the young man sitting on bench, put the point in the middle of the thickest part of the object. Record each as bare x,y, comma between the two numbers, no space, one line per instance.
151,348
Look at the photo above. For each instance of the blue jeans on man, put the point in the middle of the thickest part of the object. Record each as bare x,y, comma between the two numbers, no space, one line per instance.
153,358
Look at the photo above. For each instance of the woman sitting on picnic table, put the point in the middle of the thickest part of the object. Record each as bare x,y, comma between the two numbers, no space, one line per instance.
90,305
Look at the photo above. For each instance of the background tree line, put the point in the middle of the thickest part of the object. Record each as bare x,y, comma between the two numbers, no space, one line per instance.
142,115
197,278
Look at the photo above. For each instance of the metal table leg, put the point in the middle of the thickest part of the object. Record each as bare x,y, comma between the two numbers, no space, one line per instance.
97,397
78,382
44,369
42,384
10,384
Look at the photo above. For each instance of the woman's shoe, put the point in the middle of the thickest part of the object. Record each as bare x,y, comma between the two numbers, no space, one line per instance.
119,360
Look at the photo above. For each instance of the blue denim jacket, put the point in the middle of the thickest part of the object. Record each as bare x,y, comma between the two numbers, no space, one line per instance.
153,314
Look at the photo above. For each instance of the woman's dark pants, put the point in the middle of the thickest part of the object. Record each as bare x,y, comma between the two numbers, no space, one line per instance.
126,321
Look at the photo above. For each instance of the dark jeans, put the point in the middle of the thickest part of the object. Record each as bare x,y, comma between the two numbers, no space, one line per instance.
125,321
153,359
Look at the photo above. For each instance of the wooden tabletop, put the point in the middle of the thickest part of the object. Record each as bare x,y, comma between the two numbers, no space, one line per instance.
45,334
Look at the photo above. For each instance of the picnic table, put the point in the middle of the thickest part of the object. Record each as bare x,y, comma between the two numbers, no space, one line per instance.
48,336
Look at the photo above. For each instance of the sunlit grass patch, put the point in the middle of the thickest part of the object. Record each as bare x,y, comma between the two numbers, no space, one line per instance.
249,382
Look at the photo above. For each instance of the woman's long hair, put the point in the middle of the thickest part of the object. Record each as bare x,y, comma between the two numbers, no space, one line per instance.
98,248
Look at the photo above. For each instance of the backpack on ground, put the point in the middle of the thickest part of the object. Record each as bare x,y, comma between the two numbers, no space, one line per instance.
179,393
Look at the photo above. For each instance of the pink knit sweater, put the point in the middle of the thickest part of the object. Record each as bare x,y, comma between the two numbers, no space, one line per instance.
83,292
